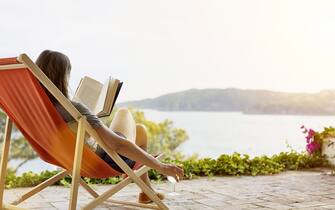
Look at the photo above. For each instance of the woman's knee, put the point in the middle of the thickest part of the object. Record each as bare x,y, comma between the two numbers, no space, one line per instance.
141,134
123,111
124,123
141,128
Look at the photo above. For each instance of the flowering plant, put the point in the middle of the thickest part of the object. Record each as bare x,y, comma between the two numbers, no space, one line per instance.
313,140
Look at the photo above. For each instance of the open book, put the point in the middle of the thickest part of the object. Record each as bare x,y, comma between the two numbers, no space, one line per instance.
99,98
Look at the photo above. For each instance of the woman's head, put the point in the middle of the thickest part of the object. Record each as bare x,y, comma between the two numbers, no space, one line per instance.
57,67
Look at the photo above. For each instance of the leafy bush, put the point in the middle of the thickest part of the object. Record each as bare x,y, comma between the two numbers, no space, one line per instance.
236,164
225,165
27,179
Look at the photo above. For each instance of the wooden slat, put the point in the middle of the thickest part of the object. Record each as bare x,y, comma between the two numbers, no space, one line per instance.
103,197
88,188
12,66
149,192
12,207
4,158
41,186
77,163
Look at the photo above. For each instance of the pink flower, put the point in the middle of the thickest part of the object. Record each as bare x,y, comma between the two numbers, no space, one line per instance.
312,147
310,135
309,149
308,139
311,132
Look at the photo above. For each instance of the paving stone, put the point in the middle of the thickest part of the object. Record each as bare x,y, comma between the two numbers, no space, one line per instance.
329,206
284,191
274,206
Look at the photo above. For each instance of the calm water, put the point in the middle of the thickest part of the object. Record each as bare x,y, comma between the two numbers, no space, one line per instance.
215,133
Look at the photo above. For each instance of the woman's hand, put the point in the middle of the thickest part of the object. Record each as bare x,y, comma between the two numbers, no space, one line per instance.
172,170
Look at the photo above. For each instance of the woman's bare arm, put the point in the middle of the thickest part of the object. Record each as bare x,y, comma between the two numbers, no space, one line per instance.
134,152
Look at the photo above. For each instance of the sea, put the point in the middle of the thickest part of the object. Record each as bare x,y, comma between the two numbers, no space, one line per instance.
214,133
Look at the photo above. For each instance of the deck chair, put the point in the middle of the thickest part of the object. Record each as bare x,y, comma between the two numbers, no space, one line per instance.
24,100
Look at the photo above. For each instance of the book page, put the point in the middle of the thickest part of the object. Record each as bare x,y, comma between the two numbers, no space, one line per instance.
112,94
102,98
88,92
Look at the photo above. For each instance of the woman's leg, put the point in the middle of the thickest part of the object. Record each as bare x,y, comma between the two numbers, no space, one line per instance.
123,122
142,142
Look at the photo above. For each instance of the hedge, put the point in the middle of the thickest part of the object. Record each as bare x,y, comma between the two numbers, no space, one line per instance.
226,165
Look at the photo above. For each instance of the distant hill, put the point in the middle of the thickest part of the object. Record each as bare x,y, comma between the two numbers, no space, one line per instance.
246,101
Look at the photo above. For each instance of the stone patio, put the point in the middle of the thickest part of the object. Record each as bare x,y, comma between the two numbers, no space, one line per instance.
289,190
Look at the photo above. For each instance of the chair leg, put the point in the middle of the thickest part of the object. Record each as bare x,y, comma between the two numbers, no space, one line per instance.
149,192
41,186
88,188
12,207
77,164
4,158
103,197
116,188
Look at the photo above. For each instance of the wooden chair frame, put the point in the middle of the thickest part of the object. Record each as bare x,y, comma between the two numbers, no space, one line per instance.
83,128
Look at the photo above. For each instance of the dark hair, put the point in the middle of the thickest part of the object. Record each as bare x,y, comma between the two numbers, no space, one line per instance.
57,67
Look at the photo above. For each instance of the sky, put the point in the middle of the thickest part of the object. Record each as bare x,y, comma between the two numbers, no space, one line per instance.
157,46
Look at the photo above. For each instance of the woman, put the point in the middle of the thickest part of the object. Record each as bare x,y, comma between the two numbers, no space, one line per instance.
123,136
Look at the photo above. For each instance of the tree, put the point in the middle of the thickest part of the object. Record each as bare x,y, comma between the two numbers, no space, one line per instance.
21,149
162,136
19,146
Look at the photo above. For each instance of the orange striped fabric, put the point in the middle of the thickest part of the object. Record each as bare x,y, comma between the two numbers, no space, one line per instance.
7,61
26,103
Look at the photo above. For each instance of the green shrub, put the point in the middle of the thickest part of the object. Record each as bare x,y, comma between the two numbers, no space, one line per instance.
225,165
236,164
27,179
